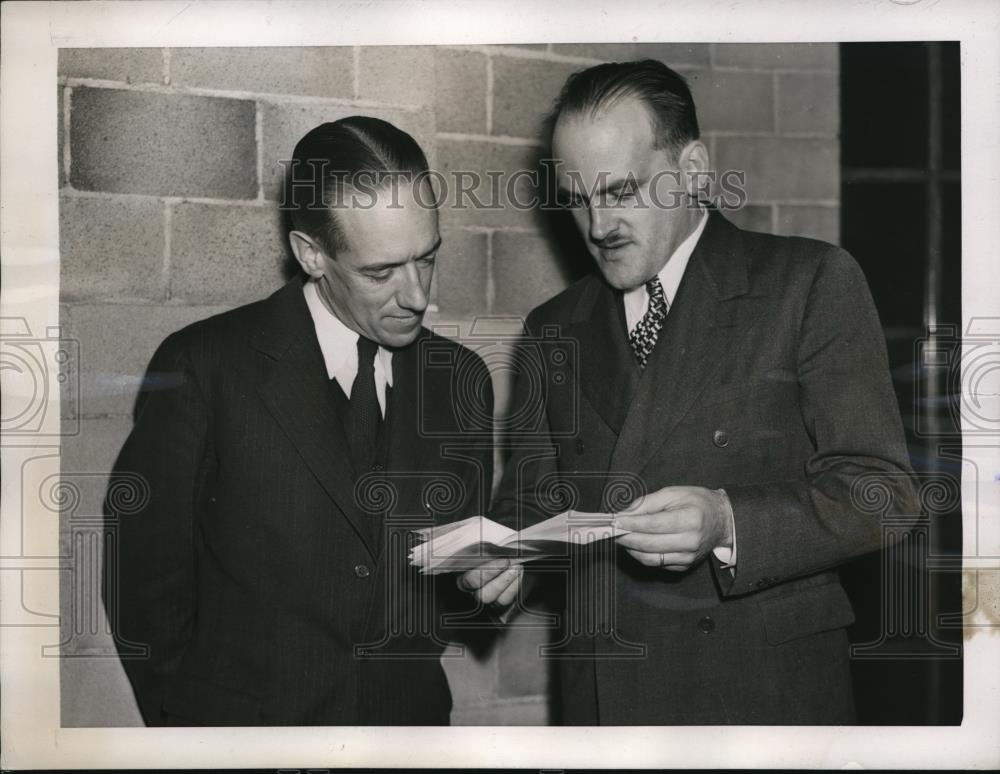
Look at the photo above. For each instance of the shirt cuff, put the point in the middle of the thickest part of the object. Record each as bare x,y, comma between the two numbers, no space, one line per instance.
501,617
725,554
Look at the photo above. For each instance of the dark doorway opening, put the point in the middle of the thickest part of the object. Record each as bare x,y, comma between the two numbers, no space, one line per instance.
901,219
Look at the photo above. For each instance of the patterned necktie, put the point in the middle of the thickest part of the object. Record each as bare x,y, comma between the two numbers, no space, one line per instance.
643,337
365,415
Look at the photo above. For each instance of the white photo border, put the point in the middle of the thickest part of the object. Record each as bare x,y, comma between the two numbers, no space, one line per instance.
32,33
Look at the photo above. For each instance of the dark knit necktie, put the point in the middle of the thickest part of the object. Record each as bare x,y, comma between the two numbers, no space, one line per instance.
364,413
643,337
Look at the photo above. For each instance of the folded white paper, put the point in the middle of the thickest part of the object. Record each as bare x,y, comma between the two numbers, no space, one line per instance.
464,545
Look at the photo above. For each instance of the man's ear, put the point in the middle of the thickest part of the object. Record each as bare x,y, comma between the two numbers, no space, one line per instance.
310,255
695,165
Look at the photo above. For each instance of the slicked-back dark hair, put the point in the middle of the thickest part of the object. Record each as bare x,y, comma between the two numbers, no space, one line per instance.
664,92
328,158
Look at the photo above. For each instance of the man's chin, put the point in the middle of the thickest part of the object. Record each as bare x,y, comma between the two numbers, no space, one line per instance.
619,277
400,333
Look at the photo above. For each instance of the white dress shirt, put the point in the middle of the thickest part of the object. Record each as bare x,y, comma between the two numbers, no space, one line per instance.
637,300
339,345
636,305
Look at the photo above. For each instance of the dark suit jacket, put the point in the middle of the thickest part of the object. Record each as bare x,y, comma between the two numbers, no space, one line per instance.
251,571
769,380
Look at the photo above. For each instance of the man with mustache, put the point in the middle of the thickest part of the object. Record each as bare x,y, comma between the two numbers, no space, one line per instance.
739,382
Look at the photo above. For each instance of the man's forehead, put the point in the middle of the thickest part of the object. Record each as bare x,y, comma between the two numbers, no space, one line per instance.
386,205
617,139
625,114
389,228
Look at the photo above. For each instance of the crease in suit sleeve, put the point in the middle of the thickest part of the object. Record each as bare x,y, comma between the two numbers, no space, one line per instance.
531,454
793,528
452,601
531,457
154,600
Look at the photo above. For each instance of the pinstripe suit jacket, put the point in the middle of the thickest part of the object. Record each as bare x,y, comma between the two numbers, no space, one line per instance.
251,573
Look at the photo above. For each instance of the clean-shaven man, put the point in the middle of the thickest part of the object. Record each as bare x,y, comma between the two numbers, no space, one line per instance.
266,572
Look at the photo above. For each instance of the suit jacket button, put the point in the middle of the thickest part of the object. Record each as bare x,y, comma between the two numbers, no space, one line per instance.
362,571
707,624
763,583
720,438
580,446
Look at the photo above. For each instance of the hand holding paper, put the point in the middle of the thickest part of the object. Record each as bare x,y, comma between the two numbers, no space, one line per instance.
467,544
677,526
493,583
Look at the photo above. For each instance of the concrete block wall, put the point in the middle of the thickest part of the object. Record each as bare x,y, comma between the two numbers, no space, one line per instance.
169,174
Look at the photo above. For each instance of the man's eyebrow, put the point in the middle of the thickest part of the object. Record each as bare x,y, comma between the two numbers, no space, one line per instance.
434,249
374,268
613,187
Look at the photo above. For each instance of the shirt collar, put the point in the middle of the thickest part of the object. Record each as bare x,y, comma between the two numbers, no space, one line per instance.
637,299
673,270
338,343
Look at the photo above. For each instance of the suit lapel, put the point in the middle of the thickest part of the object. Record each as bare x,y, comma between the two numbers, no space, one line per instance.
608,371
711,314
296,390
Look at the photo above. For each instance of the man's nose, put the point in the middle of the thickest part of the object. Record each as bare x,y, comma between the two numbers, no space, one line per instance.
412,294
600,223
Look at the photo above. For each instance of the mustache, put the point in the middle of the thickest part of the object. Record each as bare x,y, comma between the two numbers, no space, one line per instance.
610,242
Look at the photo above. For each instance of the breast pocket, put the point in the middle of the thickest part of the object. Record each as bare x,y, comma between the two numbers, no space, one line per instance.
725,393
746,430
